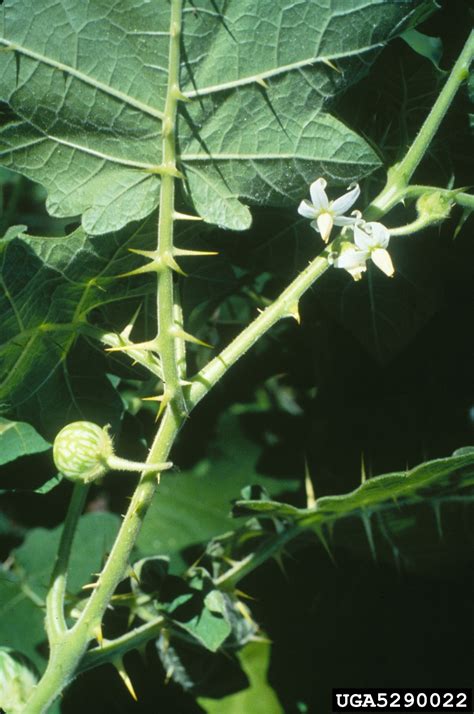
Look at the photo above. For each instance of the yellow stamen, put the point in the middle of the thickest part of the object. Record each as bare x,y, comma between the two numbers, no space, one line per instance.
325,224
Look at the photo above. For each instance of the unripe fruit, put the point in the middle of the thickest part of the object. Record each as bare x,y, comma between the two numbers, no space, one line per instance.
84,452
81,450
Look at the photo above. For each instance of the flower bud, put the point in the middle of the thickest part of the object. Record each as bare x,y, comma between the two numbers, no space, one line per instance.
433,207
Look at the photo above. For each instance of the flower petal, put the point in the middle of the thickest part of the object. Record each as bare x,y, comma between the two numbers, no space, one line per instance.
343,220
343,203
325,224
382,260
318,194
379,233
363,240
307,209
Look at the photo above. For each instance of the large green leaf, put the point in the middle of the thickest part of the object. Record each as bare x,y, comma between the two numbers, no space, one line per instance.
87,82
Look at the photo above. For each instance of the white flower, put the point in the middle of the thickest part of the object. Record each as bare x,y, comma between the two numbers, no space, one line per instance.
326,213
370,241
350,259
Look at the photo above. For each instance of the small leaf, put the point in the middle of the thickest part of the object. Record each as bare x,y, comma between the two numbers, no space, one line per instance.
424,45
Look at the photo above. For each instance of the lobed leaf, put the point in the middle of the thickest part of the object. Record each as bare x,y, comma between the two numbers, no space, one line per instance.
88,89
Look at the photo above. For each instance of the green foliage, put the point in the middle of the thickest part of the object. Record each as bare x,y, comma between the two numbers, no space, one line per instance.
193,506
259,697
22,623
49,287
18,439
192,604
95,535
88,124
25,583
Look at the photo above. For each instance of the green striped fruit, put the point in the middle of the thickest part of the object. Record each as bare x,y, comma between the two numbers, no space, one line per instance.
18,676
82,450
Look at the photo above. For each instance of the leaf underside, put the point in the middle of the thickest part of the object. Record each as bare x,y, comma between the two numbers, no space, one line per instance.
88,90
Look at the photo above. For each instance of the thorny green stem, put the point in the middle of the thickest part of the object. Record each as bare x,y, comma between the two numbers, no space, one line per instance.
286,305
69,645
166,309
114,340
400,174
267,550
119,646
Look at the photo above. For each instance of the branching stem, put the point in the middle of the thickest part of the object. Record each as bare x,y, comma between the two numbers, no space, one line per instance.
286,305
399,175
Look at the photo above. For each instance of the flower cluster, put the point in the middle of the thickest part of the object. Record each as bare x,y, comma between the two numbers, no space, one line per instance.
370,238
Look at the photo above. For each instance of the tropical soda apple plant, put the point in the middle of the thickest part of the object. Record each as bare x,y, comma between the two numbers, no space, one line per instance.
157,129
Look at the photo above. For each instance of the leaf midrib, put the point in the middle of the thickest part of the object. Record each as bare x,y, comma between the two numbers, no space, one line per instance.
255,157
275,71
